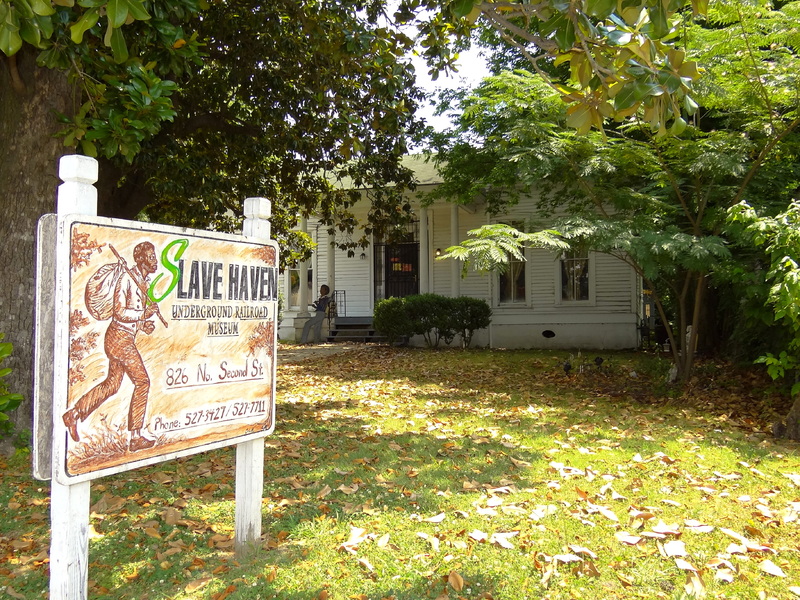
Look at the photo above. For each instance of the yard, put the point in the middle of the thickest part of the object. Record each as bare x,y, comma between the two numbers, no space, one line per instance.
481,474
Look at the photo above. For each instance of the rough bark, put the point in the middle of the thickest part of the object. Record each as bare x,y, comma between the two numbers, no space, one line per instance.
28,179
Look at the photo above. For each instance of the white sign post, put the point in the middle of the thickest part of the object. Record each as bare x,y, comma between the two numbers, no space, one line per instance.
69,504
162,345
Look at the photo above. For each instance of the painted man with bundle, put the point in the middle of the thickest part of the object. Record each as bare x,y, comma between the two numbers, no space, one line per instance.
130,310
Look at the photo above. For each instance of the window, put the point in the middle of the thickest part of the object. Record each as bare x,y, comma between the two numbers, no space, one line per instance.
294,287
574,276
512,288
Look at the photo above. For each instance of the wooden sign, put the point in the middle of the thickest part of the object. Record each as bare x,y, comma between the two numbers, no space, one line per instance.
165,343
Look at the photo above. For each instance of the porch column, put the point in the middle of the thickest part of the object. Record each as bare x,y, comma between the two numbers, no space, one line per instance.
303,295
455,265
331,261
424,252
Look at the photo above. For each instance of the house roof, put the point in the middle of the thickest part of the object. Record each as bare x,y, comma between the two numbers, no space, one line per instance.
422,165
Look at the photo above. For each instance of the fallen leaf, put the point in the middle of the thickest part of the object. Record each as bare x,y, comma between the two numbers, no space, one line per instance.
433,540
366,565
627,538
542,510
731,533
662,527
567,558
675,548
171,516
771,568
793,477
478,535
501,539
225,593
684,565
583,551
357,536
456,581
197,584
697,526
435,519
694,585
725,575
348,489
324,492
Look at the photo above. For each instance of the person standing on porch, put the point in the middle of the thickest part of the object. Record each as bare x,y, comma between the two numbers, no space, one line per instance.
315,322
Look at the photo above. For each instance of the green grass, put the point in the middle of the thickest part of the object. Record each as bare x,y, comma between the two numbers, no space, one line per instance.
411,474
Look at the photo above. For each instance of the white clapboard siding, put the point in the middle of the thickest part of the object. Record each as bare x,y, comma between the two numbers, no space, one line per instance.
607,320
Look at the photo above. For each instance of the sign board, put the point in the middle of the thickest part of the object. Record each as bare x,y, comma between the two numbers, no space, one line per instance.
165,343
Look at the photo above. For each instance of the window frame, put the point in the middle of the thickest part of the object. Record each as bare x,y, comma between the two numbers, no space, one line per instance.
592,266
526,271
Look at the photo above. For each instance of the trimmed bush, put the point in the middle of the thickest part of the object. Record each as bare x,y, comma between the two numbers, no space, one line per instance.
430,318
469,314
391,319
436,318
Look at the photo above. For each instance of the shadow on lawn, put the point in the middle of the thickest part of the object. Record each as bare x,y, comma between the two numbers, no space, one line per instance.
327,461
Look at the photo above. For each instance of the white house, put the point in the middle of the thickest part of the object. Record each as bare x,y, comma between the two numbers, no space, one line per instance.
592,301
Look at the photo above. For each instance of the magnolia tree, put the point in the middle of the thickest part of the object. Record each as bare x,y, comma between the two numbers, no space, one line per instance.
191,106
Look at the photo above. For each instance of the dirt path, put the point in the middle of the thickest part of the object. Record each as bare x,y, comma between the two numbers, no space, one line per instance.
295,353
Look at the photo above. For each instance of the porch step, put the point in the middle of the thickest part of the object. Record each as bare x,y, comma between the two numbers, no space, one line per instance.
354,329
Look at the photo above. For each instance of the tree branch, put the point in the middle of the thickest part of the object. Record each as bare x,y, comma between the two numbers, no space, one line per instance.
16,81
760,159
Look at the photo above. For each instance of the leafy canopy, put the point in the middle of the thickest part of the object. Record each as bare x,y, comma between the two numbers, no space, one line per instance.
612,59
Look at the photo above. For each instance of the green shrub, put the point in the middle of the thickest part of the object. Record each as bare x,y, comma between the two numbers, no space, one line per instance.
8,402
391,319
469,314
430,318
436,318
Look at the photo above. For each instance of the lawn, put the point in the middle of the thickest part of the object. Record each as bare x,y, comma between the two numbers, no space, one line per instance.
415,474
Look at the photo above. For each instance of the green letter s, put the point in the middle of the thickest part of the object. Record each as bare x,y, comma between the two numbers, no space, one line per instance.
170,266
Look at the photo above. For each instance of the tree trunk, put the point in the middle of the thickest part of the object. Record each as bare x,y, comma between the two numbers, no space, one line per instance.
28,179
790,426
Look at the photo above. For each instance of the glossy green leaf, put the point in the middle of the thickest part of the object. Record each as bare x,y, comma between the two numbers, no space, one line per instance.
30,33
10,40
117,11
42,8
24,8
565,35
118,46
462,8
600,8
659,20
137,10
84,24
633,92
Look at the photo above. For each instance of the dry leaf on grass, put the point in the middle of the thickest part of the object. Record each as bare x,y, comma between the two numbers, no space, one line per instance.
435,519
502,539
197,584
456,581
694,586
674,548
478,535
771,568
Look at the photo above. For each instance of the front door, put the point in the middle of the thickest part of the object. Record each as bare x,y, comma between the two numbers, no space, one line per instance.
396,270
